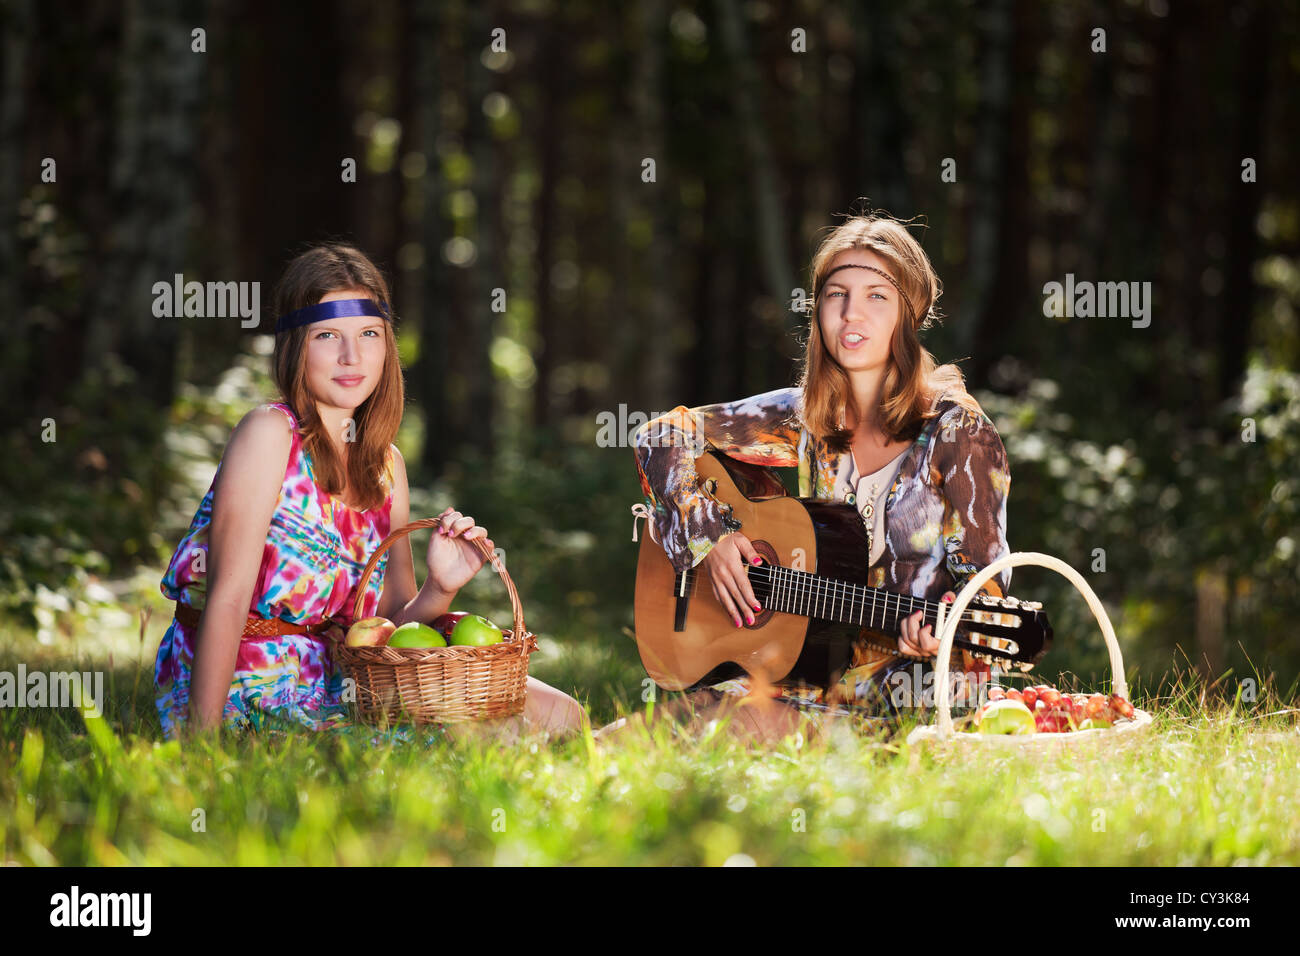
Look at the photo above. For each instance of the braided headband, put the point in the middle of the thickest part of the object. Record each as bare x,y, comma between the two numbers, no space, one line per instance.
335,309
911,313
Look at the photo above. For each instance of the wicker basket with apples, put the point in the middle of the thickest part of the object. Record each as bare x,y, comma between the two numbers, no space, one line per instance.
461,668
1040,715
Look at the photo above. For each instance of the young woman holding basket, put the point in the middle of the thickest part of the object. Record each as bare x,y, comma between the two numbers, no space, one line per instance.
306,490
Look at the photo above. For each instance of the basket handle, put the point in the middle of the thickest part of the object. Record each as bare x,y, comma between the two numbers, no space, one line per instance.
497,565
953,618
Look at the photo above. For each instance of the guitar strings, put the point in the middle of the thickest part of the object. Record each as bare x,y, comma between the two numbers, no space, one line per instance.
837,591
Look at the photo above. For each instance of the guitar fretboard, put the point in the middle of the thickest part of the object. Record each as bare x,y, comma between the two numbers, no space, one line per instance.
807,594
811,595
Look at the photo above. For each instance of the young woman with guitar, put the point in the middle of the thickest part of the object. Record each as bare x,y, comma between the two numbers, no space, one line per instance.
873,423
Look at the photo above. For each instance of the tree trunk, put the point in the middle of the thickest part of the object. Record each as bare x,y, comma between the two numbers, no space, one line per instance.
485,273
20,362
552,76
18,36
988,180
157,110
1211,622
426,383
880,134
655,199
747,93
1236,306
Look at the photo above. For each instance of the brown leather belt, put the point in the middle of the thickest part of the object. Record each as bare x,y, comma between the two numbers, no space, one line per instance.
255,627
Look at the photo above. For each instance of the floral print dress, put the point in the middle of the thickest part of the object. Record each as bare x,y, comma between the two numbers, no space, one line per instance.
945,514
315,551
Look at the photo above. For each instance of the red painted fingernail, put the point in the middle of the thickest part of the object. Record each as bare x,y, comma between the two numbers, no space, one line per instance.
948,599
749,618
757,607
755,560
737,620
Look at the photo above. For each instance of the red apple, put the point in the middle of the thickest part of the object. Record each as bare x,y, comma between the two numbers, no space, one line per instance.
1065,719
1030,696
1052,722
444,624
370,632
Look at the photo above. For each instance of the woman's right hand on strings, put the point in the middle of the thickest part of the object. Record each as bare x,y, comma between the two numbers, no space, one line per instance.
726,563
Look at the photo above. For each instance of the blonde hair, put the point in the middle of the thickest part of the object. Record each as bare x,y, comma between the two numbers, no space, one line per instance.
913,378
325,268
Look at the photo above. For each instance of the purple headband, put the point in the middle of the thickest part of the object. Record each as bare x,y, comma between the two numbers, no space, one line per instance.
334,309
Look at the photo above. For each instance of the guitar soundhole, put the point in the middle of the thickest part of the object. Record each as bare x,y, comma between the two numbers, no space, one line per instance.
761,584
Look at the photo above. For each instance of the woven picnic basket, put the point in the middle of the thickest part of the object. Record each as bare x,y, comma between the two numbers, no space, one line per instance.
943,730
439,684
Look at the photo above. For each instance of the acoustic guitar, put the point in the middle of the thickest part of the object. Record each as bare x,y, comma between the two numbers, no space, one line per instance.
814,596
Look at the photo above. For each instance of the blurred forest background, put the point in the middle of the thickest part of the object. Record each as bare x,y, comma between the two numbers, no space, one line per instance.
501,145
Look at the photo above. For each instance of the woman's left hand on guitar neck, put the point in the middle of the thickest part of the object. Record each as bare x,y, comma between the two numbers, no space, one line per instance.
920,643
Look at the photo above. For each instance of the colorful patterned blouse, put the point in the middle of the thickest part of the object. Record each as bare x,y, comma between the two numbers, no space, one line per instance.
945,516
316,548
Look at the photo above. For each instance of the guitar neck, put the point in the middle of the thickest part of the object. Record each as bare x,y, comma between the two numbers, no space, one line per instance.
808,595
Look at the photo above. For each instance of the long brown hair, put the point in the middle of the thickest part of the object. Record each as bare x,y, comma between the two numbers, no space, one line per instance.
325,268
913,377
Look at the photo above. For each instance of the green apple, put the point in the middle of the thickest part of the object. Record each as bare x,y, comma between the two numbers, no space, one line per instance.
415,634
1006,717
474,630
1095,723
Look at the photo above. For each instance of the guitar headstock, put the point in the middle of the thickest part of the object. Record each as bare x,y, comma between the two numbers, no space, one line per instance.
1005,631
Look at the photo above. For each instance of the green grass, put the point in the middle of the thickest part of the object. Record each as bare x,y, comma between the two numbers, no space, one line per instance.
1212,783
